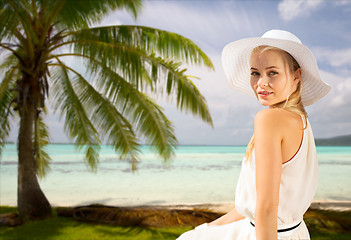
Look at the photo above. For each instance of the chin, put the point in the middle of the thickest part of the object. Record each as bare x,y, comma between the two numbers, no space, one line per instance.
264,103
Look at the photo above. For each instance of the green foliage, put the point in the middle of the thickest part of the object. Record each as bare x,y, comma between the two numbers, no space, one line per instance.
7,209
140,40
79,14
6,97
344,140
41,139
110,101
76,119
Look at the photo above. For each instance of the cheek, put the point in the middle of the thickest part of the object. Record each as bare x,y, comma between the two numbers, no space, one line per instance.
280,84
253,84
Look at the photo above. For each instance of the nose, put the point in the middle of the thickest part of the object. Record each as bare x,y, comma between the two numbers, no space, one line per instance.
262,81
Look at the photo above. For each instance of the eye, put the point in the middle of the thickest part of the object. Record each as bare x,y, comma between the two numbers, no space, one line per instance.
255,74
272,73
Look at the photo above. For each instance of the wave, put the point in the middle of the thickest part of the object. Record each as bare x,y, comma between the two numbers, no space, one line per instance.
343,163
158,165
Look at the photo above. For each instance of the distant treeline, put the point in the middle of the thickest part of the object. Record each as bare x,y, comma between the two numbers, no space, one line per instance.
334,141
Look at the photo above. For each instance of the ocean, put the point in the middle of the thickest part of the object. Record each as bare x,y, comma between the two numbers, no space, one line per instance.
197,174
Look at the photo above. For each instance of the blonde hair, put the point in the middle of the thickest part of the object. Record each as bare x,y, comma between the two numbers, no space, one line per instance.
293,103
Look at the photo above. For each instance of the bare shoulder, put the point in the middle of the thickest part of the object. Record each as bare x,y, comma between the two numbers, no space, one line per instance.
269,116
276,119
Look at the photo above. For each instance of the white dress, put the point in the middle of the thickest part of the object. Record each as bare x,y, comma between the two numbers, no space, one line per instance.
297,189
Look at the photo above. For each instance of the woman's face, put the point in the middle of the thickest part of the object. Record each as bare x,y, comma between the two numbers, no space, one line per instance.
270,80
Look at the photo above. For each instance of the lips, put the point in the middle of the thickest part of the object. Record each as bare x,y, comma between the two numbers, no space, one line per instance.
264,93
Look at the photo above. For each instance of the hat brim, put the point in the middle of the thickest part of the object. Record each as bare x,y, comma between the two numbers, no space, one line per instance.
236,63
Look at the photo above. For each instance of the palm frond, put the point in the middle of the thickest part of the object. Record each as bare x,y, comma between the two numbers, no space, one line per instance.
22,11
109,120
8,26
9,61
40,141
77,123
6,98
142,111
126,59
188,96
130,49
155,126
82,13
177,84
163,43
164,73
130,62
111,123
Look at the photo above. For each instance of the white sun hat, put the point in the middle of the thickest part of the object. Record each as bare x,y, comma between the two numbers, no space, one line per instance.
236,63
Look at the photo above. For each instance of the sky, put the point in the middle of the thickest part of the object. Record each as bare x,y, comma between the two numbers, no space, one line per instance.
322,25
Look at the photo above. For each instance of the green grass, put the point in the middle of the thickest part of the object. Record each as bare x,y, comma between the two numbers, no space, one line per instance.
331,236
62,228
59,228
6,209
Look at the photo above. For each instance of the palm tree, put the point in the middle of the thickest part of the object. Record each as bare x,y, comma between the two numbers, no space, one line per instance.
110,102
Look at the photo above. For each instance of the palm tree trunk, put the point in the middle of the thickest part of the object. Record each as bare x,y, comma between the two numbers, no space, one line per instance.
32,203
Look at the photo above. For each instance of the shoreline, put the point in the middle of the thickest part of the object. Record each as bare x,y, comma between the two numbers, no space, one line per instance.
222,208
226,207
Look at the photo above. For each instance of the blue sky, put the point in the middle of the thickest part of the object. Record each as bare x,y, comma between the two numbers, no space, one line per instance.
322,25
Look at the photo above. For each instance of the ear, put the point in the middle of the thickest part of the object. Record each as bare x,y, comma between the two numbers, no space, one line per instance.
297,76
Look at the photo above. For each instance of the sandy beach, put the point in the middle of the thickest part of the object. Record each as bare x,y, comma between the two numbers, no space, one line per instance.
226,207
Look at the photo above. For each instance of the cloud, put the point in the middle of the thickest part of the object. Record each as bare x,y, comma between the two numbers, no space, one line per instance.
117,17
342,2
335,58
340,93
331,115
208,24
113,22
290,9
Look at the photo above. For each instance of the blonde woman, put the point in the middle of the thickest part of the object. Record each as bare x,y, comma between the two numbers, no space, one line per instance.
278,179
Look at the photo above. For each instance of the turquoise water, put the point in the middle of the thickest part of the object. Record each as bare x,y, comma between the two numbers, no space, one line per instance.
197,174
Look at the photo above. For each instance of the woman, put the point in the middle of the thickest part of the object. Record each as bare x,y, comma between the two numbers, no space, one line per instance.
278,179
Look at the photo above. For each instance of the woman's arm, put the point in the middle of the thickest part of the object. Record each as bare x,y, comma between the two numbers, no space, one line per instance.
230,217
268,157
